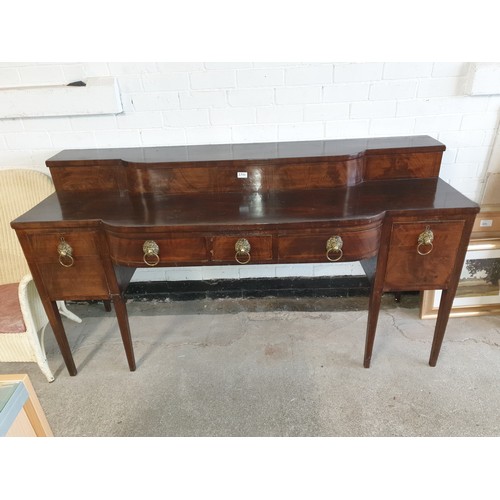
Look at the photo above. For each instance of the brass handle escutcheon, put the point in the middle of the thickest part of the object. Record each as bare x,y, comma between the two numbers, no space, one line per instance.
151,250
65,254
242,247
425,240
334,246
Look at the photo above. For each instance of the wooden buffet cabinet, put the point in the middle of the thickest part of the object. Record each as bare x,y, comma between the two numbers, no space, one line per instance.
379,201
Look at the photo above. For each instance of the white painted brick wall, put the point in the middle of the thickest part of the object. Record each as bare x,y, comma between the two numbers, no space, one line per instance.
77,123
393,89
186,117
480,121
373,109
260,77
352,72
154,101
288,113
298,95
78,139
449,69
141,120
347,92
299,131
167,135
434,124
28,140
397,71
202,103
212,134
232,116
54,124
164,81
324,112
258,133
391,126
309,74
251,97
441,87
199,99
216,79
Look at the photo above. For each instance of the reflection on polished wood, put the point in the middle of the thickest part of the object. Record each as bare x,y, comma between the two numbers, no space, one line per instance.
286,200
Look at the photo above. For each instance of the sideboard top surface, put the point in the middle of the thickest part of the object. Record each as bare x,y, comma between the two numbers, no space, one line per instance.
368,201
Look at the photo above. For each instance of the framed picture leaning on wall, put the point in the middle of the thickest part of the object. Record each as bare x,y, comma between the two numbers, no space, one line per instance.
479,287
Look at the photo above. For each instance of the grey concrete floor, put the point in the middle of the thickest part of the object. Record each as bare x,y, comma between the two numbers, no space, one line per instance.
271,367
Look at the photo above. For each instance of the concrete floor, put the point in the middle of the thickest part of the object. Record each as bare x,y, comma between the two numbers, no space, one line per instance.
271,367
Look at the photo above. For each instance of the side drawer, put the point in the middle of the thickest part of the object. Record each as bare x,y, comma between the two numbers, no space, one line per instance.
407,269
303,247
127,250
261,248
84,276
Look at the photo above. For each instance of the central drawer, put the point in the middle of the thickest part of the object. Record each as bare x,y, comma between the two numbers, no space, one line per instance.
260,248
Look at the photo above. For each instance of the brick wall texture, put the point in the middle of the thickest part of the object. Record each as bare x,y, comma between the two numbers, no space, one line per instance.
204,103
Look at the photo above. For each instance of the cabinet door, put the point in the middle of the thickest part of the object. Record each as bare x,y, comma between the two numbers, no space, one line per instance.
78,277
414,267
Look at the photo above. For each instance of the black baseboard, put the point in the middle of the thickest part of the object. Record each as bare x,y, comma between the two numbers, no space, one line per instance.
339,286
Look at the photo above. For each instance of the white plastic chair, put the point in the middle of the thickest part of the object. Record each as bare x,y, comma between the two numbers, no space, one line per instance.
23,317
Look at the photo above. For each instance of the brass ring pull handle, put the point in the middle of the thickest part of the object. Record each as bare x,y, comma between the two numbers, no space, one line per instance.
425,240
242,247
151,250
334,246
65,254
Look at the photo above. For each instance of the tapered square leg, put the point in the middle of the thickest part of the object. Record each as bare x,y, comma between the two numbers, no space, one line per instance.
62,340
373,312
122,317
441,322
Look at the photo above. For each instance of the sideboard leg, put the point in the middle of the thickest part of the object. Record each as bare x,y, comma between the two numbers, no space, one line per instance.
373,311
122,317
448,295
441,322
62,340
107,305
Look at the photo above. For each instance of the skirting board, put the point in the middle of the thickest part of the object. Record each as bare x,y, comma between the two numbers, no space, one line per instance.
347,286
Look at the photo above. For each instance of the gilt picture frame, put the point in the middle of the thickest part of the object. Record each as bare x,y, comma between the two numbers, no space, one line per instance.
478,290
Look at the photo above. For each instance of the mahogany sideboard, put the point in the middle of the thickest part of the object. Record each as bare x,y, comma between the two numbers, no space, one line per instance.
379,201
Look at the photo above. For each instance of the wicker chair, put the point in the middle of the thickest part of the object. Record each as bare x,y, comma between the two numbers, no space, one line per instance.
22,317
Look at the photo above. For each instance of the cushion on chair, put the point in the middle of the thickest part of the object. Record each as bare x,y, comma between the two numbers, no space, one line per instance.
11,317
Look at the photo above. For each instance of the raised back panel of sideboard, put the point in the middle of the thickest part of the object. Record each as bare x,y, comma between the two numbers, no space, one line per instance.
261,168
